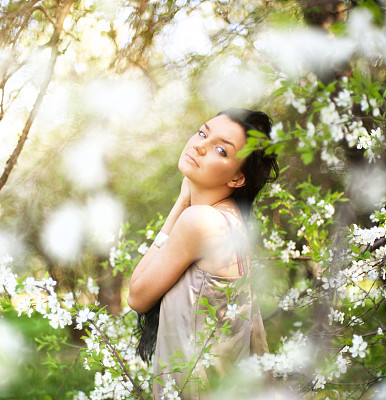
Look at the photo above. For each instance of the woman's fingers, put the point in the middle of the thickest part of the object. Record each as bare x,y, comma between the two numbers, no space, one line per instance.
185,191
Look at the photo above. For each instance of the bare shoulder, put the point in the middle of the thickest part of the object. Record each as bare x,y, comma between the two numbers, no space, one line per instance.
202,219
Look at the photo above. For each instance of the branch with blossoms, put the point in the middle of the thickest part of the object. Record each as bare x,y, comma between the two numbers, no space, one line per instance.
352,279
109,345
351,110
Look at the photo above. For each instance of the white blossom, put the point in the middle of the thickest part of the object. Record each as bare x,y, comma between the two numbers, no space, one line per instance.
274,241
290,300
84,315
373,218
24,306
274,134
342,364
114,255
329,211
7,277
108,360
207,360
49,284
335,316
355,130
374,105
68,300
311,200
53,302
289,251
367,236
298,103
60,319
41,306
173,396
305,250
168,388
329,115
149,234
102,320
310,129
92,344
364,103
30,286
143,248
358,347
232,310
92,286
319,381
275,189
364,142
344,99
80,396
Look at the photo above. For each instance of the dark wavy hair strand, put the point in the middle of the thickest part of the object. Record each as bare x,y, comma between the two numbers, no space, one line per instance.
146,332
258,167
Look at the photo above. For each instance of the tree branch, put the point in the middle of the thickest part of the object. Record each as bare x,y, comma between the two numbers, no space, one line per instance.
61,15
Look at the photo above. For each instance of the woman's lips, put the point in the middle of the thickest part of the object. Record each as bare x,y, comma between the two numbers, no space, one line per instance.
191,160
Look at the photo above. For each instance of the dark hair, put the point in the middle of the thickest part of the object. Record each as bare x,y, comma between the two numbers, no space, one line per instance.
258,169
146,332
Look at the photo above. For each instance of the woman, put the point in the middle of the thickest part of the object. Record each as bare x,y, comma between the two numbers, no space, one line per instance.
202,247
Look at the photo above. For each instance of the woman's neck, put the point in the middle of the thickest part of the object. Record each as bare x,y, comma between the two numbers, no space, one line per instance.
209,196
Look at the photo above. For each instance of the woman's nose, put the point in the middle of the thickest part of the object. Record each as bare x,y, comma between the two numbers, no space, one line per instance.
200,148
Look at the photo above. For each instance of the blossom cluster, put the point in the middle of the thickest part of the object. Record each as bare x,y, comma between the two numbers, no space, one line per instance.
367,235
293,356
109,341
39,295
336,119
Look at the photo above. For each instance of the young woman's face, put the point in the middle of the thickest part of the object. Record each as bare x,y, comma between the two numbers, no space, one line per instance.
209,157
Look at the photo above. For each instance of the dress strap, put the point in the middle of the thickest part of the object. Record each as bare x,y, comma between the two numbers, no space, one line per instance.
239,260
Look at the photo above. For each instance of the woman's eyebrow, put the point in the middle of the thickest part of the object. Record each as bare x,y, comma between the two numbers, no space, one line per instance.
222,139
228,142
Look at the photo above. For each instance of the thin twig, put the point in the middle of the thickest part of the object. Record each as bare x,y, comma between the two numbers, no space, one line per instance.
67,375
121,363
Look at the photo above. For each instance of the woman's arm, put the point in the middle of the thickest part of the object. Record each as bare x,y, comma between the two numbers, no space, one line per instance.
182,203
152,280
171,260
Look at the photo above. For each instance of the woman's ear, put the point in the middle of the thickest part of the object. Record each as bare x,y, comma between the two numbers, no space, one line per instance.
237,181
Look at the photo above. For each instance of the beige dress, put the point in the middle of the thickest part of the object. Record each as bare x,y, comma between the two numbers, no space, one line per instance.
179,321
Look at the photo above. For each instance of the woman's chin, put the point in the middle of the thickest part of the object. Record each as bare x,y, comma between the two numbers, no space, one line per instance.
184,168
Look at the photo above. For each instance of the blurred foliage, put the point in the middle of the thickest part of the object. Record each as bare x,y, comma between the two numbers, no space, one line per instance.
41,377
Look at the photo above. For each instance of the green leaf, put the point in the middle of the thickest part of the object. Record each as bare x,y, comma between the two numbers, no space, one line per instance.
159,381
178,355
355,249
307,158
339,28
280,91
255,133
366,255
275,148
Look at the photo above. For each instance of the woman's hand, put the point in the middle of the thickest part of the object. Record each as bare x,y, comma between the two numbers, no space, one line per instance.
185,195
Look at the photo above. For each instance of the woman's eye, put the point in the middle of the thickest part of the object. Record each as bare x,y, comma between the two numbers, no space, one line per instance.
221,151
202,134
